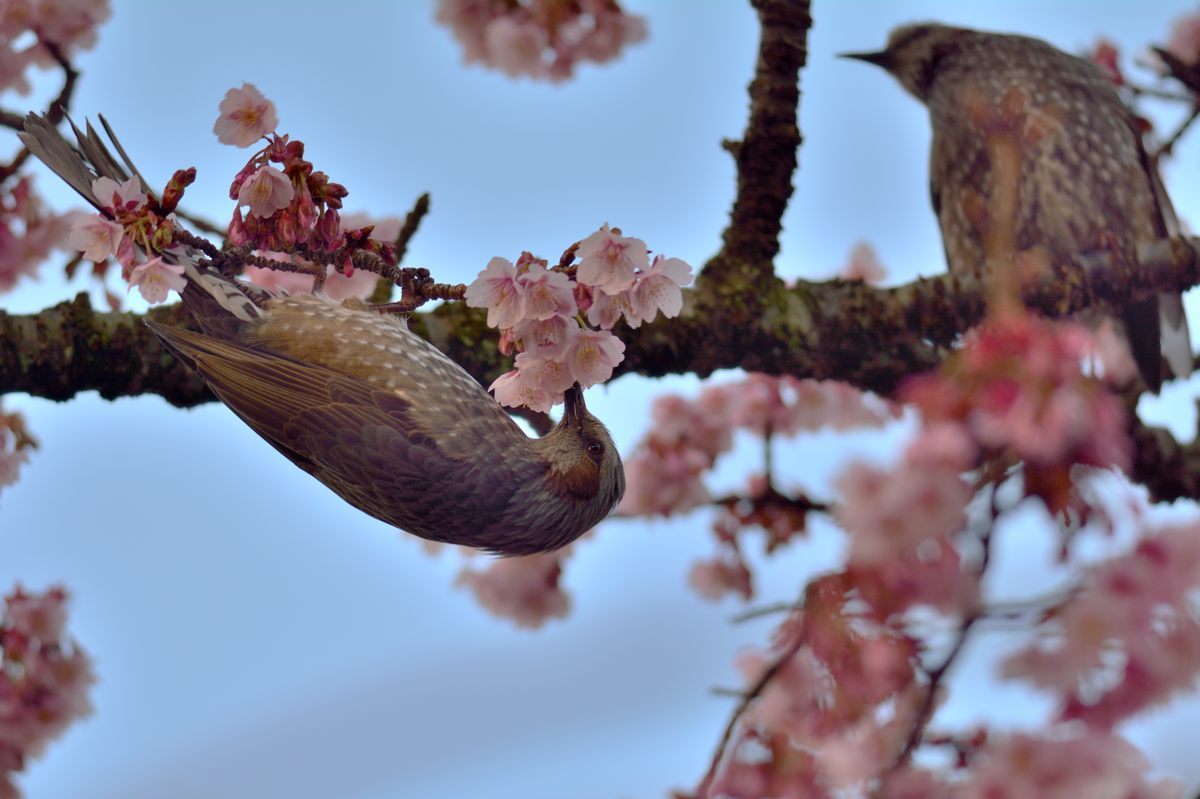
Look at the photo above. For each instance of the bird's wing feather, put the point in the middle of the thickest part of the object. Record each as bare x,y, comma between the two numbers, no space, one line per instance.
359,440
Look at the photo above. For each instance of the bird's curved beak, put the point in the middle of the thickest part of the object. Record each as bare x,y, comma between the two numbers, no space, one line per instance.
879,59
573,407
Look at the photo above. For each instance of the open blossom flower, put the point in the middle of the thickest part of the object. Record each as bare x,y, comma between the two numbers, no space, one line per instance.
266,191
608,261
551,374
547,294
246,116
658,289
96,237
546,338
155,277
497,289
115,196
593,355
524,589
515,388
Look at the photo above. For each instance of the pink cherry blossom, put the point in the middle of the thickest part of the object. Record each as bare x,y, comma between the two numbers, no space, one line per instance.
266,191
546,338
525,589
155,277
13,68
1058,764
44,677
246,116
658,289
116,196
95,236
863,265
1184,41
28,232
515,47
664,482
888,513
515,389
609,261
606,309
547,294
497,289
71,24
593,355
713,579
550,374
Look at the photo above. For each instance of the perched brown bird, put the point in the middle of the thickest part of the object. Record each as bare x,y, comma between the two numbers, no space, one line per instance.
1014,115
373,411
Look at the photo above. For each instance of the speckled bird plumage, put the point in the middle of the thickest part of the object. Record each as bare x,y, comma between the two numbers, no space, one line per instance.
378,414
1085,183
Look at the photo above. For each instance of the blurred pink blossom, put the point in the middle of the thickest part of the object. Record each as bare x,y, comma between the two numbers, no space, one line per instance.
44,678
863,265
525,589
888,513
246,116
1184,41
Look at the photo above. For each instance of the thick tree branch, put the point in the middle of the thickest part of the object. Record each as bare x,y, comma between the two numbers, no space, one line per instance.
766,155
844,330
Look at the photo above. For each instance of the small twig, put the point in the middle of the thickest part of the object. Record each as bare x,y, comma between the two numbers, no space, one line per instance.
763,610
936,675
1166,147
54,112
383,287
702,792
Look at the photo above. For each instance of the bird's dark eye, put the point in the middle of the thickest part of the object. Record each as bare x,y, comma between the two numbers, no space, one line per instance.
595,450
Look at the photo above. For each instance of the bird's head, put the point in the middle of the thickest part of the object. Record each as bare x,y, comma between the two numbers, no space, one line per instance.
912,54
584,465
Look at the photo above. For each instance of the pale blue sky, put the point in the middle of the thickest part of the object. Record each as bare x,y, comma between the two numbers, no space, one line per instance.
256,637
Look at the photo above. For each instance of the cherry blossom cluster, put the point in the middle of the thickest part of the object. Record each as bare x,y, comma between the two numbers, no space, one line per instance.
834,698
560,324
1018,386
542,39
136,230
1128,637
841,700
28,232
665,472
44,679
15,445
69,25
292,206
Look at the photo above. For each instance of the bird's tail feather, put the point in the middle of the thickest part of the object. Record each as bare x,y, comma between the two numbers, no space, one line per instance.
219,305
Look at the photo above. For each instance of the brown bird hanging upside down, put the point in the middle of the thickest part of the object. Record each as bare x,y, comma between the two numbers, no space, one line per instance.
1083,182
373,411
